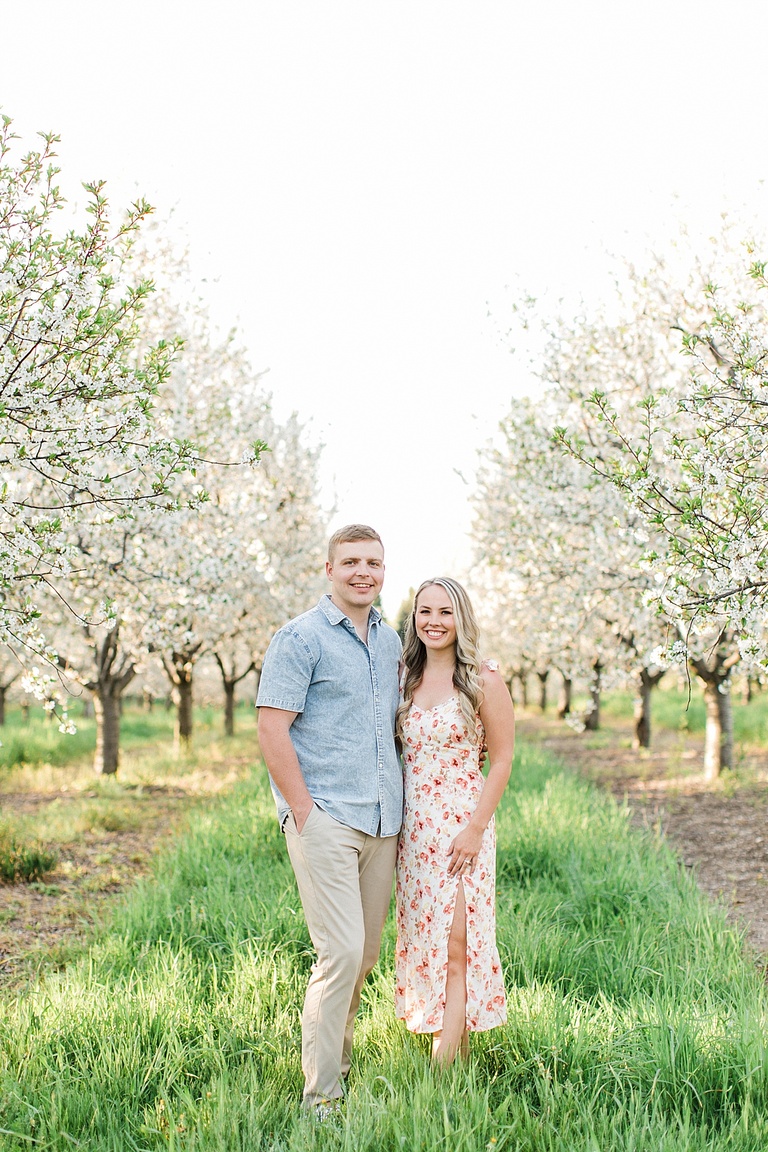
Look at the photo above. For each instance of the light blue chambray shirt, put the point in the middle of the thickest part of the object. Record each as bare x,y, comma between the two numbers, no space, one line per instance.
346,694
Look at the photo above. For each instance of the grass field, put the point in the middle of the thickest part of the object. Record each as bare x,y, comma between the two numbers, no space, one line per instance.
672,709
35,757
101,830
37,741
635,1023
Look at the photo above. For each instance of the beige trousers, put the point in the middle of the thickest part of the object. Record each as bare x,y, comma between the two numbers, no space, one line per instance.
345,883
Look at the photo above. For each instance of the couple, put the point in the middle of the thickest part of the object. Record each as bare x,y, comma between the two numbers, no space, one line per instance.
330,708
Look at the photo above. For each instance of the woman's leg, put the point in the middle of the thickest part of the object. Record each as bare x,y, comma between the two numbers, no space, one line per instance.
453,1036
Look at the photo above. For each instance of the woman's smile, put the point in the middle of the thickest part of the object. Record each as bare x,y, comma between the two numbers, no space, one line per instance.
435,626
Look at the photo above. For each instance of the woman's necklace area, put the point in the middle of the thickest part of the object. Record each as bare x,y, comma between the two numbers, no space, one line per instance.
433,690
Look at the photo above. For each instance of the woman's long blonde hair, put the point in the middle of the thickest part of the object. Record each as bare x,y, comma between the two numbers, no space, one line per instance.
466,674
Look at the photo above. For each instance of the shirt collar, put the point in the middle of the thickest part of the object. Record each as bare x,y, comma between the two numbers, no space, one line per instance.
335,615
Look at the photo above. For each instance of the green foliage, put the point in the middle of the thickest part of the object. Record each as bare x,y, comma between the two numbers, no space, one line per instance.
37,741
20,861
635,1023
674,710
403,613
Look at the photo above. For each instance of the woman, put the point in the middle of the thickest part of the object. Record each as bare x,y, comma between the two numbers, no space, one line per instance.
448,975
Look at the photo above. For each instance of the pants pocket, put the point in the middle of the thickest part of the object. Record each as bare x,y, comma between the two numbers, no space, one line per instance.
290,821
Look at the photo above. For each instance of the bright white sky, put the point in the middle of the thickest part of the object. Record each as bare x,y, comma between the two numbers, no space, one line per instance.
360,182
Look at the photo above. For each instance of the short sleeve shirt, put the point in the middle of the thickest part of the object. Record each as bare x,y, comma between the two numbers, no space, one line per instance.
346,694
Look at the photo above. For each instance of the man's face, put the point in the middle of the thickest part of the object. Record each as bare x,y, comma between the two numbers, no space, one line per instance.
356,574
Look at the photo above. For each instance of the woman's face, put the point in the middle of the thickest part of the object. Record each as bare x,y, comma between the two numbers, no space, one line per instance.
435,626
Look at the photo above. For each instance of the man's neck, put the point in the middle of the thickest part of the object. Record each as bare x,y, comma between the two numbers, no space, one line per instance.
359,618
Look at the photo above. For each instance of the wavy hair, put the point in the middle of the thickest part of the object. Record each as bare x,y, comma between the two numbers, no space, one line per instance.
466,674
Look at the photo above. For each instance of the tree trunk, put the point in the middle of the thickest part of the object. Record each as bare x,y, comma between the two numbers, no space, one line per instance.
114,672
542,677
566,692
182,736
230,678
592,719
718,745
523,678
89,707
106,707
229,707
643,711
3,691
646,682
715,670
147,700
179,668
25,712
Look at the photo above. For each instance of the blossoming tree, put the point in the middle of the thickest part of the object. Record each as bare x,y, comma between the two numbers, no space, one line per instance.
664,406
78,443
571,555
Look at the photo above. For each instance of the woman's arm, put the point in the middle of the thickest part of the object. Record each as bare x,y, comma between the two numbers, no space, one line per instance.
498,716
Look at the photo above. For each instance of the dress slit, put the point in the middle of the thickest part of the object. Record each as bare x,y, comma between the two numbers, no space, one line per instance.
443,781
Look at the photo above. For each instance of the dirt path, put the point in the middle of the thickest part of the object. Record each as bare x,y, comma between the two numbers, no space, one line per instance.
45,924
719,830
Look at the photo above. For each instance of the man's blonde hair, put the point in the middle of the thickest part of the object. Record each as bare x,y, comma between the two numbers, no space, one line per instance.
348,535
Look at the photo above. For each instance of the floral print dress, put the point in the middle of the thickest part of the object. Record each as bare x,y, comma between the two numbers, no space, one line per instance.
443,781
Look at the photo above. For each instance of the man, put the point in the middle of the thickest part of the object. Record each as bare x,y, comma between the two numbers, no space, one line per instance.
327,702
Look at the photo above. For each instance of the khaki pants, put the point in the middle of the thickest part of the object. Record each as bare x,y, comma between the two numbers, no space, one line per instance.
345,884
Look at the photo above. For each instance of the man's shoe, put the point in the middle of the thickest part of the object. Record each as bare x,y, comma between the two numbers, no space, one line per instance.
326,1109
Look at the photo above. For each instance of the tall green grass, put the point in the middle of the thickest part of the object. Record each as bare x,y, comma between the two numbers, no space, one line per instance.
20,860
635,1022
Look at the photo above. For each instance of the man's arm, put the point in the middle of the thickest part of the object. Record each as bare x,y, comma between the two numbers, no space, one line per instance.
282,761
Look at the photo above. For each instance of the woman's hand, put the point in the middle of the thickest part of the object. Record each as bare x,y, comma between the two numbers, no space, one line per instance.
464,850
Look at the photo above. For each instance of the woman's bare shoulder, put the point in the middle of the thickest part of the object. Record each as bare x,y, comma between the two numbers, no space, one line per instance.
497,707
491,679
